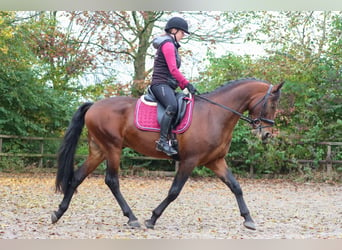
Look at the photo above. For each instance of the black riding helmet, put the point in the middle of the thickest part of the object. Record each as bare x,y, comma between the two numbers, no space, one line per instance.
177,23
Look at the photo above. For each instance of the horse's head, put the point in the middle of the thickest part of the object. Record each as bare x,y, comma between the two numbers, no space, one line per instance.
263,110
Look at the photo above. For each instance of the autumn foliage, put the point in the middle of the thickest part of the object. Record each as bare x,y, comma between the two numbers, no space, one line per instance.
51,62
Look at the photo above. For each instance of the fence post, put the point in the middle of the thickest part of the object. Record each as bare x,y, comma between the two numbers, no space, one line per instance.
42,153
329,163
0,147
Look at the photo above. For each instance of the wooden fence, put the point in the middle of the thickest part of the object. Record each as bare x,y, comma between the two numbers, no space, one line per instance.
328,161
42,154
39,155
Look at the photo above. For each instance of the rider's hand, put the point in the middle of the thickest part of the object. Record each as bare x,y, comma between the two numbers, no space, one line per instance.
191,88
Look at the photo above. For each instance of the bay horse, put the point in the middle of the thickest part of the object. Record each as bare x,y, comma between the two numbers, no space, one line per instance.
110,124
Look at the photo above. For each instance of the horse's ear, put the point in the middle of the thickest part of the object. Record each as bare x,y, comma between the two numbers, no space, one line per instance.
278,87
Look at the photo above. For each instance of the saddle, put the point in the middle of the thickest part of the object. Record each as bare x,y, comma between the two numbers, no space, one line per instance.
181,104
148,113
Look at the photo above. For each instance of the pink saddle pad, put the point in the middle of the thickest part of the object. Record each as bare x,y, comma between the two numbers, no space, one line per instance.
145,117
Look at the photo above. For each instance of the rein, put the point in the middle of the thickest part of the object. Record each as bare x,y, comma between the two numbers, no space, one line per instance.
251,121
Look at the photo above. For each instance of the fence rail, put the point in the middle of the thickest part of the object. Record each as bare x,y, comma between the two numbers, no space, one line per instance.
41,155
328,161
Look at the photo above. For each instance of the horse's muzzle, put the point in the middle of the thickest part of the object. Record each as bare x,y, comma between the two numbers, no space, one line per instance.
265,135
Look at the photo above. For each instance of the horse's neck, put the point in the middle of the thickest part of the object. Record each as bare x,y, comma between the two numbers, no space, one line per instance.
237,98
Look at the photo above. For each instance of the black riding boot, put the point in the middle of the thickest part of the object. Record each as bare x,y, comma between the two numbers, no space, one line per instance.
163,143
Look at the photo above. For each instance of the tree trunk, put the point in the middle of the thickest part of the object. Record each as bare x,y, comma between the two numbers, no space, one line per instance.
144,35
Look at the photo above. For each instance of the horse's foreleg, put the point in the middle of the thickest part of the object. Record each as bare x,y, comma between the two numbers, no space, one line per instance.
234,186
177,185
112,180
221,169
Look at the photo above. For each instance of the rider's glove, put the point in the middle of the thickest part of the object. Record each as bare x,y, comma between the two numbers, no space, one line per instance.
191,88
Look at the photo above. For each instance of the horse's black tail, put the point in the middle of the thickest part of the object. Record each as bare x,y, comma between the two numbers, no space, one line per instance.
66,153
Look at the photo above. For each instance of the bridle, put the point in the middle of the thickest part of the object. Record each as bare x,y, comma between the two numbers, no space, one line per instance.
256,122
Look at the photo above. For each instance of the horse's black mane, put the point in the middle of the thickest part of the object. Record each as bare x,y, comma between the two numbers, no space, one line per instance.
233,83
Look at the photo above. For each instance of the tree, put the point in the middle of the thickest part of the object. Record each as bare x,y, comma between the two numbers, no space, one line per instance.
119,35
124,37
306,55
28,106
61,57
310,106
303,49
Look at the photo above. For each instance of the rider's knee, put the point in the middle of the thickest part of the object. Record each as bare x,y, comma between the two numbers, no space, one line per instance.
171,110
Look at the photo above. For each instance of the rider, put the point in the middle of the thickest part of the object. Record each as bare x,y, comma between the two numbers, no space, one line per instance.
166,77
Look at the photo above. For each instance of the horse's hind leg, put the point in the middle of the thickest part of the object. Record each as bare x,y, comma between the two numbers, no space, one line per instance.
221,169
112,180
80,174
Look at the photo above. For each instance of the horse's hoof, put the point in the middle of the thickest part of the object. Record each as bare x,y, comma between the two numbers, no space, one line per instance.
249,225
149,224
134,224
54,218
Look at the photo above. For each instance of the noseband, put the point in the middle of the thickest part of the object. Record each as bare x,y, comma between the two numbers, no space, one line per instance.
256,123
